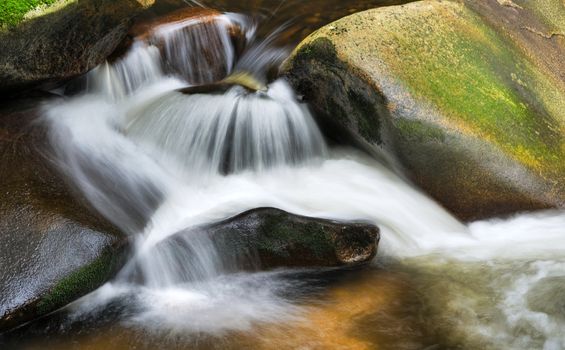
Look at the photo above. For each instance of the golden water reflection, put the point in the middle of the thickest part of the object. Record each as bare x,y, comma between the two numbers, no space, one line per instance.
369,309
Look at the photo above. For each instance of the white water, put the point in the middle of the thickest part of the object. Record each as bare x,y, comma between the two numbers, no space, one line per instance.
232,132
153,161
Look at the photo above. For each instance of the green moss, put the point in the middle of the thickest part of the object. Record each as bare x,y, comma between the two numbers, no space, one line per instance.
315,237
321,49
552,12
79,283
279,235
466,70
368,121
12,12
338,112
419,131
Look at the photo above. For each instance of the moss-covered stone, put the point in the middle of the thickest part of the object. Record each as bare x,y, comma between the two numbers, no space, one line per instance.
82,281
276,233
268,238
62,44
476,120
350,104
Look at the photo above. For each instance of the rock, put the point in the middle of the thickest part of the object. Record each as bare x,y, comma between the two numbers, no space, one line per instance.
53,249
64,43
469,102
274,238
245,80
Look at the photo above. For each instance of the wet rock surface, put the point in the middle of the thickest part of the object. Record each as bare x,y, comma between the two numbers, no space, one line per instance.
473,117
53,248
63,44
145,29
274,238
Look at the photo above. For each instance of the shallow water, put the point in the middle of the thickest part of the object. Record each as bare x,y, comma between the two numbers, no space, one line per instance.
435,284
356,309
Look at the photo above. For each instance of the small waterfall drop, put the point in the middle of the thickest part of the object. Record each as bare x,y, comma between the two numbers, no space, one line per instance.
200,52
230,132
161,149
189,50
141,67
206,133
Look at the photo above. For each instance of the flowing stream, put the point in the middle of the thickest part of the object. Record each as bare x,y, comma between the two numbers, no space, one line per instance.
156,161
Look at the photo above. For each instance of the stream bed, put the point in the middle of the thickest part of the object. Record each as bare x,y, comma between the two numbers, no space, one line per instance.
436,283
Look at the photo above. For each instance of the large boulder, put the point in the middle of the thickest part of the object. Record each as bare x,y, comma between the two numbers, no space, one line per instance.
63,43
53,249
468,96
269,238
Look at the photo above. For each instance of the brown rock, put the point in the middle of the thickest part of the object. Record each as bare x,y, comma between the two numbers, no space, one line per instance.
53,248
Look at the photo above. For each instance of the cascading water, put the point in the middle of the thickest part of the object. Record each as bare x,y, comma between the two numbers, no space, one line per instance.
163,154
230,132
196,53
156,161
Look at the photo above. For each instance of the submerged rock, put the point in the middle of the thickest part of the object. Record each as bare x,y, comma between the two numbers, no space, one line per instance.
268,238
53,249
468,100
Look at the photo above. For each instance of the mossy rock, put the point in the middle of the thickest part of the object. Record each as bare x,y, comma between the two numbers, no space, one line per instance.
62,43
267,238
473,116
53,247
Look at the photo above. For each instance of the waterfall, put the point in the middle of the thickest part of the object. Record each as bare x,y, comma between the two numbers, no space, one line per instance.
201,53
157,161
192,51
231,132
141,67
141,149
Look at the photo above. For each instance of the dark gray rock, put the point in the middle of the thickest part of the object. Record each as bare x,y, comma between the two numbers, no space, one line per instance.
273,238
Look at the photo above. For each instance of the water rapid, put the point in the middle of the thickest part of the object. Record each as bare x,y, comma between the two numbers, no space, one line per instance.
156,161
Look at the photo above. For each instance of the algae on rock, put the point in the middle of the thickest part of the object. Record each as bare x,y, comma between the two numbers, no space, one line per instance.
472,119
